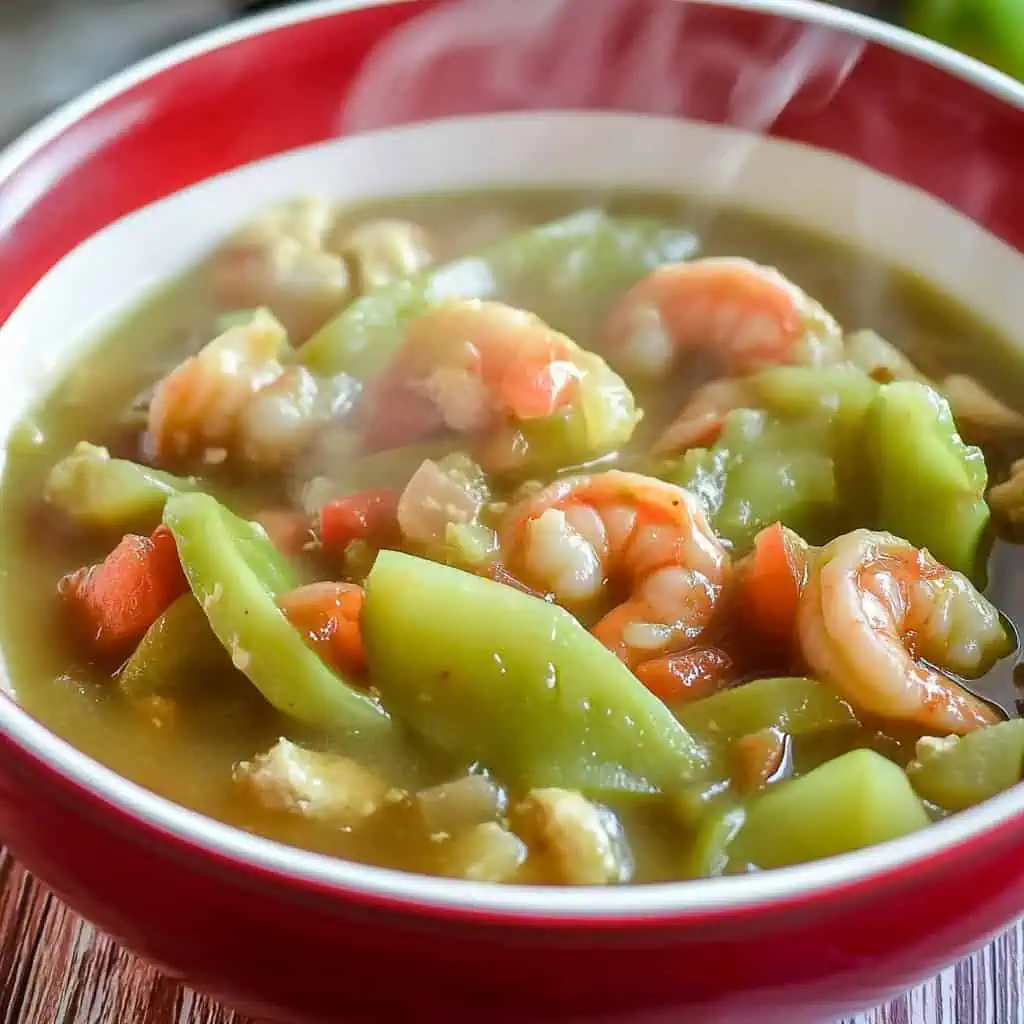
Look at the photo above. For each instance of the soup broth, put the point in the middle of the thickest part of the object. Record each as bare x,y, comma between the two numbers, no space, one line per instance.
444,806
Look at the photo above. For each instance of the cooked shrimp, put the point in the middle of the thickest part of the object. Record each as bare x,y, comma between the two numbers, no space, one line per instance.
737,313
383,251
702,418
574,538
282,260
491,371
198,404
281,418
236,397
883,622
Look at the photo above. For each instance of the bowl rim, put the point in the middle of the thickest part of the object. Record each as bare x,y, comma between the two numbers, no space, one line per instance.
615,905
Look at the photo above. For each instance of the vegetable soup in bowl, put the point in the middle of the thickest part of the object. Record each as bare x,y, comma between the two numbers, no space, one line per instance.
551,525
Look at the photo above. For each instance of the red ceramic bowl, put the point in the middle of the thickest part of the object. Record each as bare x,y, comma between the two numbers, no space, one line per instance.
898,144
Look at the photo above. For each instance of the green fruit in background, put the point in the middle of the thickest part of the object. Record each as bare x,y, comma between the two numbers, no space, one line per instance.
991,30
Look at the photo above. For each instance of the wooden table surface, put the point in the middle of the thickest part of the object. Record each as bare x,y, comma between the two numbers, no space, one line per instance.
55,969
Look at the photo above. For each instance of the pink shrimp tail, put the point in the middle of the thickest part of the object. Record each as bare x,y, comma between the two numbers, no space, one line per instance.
610,631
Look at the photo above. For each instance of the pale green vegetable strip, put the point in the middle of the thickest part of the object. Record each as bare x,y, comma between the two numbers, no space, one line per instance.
567,272
832,393
708,856
96,490
794,705
690,804
236,573
931,486
178,651
853,801
493,676
957,772
794,458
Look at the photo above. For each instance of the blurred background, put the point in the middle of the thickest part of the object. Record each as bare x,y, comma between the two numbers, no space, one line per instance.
51,50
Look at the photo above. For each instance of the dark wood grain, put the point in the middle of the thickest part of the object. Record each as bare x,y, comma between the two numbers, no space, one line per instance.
56,969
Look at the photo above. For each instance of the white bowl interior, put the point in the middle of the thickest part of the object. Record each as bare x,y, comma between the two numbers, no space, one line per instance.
118,267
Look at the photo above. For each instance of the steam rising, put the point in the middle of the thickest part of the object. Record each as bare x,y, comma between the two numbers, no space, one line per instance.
654,57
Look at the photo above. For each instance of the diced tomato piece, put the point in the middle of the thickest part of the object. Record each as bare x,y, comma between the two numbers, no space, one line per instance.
772,582
688,675
117,600
370,515
327,615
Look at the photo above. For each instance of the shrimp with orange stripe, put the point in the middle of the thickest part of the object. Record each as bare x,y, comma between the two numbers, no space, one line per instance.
236,399
505,379
736,314
889,627
586,539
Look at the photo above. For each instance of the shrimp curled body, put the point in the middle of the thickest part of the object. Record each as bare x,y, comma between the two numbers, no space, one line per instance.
489,371
235,397
739,314
581,535
883,622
